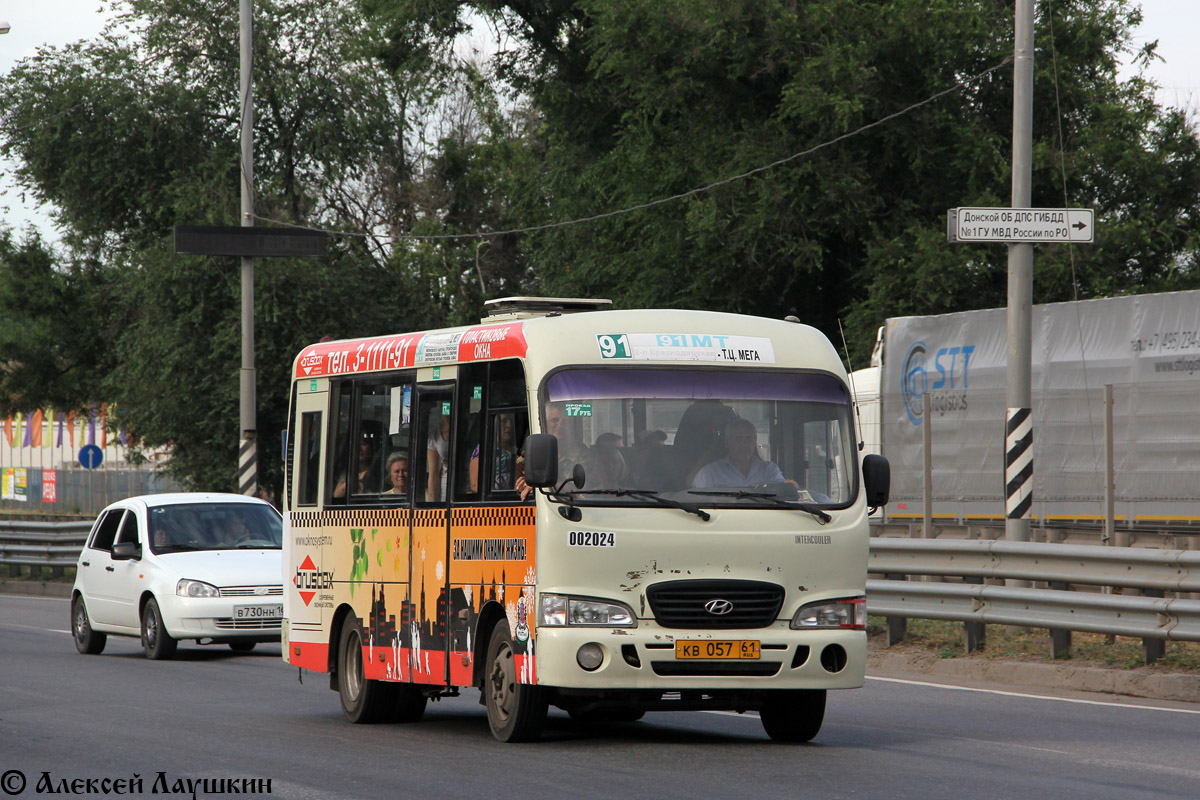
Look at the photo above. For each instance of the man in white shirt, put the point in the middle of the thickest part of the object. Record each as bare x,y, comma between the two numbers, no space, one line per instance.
743,466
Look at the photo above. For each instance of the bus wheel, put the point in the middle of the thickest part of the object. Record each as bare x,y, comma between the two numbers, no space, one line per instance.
516,711
363,701
794,715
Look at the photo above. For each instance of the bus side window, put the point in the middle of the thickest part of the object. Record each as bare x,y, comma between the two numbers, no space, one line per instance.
433,440
339,458
397,464
508,425
506,448
469,457
310,457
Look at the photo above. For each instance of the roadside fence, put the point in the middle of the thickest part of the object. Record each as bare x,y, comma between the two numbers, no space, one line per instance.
1122,591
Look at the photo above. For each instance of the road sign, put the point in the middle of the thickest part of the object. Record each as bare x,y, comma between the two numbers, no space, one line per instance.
1074,225
90,456
217,240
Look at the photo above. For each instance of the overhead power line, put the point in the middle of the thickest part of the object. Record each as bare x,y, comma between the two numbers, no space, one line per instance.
669,199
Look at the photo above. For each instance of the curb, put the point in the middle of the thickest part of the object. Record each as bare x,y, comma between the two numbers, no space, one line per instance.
1176,686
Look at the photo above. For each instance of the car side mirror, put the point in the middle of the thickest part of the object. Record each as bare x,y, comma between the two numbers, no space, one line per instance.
126,551
541,459
877,478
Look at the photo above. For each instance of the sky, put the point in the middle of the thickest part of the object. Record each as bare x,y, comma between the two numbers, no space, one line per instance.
36,23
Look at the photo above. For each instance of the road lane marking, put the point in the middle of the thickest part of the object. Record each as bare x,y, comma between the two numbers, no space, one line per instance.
1035,696
33,627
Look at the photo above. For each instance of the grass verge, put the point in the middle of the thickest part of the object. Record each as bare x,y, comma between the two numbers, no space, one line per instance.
1008,643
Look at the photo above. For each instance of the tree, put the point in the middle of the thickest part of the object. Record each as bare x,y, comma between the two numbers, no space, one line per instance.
650,99
43,306
137,132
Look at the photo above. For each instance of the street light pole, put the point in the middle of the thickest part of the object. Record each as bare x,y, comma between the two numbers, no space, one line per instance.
247,453
1018,473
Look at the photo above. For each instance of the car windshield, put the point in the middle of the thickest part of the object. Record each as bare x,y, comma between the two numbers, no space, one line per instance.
703,437
214,526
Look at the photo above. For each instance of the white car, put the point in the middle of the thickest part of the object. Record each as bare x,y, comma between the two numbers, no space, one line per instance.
167,567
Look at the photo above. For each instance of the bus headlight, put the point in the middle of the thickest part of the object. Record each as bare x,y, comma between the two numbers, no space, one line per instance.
848,612
558,610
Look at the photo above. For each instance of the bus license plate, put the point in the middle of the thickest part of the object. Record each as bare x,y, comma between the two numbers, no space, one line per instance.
708,648
258,612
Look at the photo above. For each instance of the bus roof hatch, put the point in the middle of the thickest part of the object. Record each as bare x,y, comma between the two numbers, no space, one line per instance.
511,308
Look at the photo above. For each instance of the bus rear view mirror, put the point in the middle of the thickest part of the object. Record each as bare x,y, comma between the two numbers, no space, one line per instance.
541,459
877,477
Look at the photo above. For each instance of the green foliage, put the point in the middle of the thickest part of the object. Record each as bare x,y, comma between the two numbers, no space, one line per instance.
135,133
43,305
649,99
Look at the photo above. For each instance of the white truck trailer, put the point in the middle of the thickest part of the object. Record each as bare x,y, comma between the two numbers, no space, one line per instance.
1147,347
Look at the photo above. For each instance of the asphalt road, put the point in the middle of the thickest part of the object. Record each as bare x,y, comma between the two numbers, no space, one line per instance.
212,714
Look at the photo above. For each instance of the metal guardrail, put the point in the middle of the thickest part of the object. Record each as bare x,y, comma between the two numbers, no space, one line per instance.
1061,566
42,544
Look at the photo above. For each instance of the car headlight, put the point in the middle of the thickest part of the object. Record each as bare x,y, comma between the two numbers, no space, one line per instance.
848,612
189,588
559,610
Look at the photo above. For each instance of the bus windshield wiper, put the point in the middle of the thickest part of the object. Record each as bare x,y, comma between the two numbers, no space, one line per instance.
810,508
649,494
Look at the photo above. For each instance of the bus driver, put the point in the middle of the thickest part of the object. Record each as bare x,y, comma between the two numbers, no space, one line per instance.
742,466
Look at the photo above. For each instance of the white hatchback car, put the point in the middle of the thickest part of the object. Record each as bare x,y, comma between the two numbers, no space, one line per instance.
167,567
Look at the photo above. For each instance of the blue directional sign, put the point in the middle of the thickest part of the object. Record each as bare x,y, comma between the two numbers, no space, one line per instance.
90,456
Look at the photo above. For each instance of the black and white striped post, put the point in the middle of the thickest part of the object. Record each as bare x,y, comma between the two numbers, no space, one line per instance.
1018,464
247,479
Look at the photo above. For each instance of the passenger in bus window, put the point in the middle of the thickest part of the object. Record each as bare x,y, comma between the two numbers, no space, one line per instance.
397,472
368,481
605,463
570,452
742,466
504,462
437,456
504,456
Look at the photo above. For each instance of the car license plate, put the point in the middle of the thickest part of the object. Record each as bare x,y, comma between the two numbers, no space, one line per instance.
711,648
258,612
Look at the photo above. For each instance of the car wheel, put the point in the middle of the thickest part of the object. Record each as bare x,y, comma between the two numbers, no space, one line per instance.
364,701
516,711
87,641
156,641
794,715
241,647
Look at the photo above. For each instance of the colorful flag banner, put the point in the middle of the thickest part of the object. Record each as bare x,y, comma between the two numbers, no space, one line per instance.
34,435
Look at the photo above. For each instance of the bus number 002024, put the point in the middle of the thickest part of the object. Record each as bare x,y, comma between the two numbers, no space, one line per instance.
591,539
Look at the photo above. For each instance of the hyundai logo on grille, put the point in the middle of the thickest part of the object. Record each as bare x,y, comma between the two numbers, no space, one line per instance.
718,606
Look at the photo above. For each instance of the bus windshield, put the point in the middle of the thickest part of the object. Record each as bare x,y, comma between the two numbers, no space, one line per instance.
702,436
